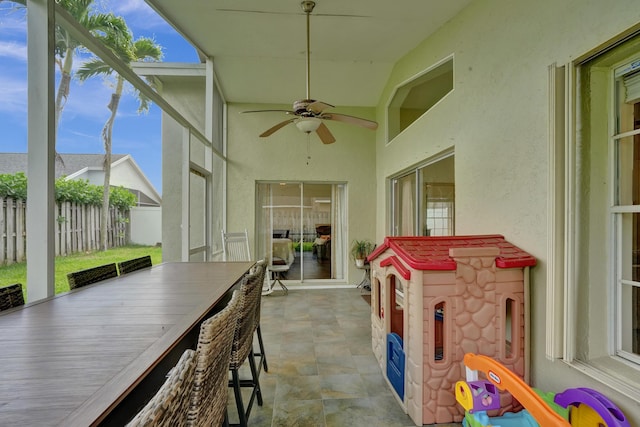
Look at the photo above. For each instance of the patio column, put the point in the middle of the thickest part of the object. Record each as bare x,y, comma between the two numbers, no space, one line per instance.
41,149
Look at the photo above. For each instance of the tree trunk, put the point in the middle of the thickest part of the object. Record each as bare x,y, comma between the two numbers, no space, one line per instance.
64,85
107,133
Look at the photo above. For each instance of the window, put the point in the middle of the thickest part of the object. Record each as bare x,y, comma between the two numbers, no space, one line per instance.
625,209
414,98
423,199
438,213
603,243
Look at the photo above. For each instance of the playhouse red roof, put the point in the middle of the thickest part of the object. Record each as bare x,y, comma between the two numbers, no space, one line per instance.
432,253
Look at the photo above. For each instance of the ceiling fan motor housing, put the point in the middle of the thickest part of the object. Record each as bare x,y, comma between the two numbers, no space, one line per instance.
300,107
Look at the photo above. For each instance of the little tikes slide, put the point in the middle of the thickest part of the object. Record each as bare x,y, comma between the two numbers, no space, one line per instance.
504,379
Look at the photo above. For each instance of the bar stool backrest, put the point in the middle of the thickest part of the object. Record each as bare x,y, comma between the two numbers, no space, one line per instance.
135,264
86,277
170,405
11,296
209,395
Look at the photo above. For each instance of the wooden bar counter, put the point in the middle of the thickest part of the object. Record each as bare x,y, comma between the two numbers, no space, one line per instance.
94,355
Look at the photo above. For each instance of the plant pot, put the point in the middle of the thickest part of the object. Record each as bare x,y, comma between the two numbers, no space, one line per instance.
359,262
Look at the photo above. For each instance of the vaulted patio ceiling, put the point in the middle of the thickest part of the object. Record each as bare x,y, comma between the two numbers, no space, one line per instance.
258,46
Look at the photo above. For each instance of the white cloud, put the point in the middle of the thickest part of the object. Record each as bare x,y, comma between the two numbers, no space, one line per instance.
14,95
88,101
13,50
139,14
131,6
12,18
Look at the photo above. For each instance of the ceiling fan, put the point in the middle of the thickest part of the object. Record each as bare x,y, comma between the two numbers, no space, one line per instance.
309,113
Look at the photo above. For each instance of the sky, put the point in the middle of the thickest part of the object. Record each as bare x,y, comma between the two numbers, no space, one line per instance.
85,112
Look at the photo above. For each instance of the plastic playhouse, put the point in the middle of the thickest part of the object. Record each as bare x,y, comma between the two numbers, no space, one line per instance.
582,407
433,299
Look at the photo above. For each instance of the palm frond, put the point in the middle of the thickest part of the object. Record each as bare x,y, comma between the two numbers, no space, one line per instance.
93,67
144,102
146,49
108,25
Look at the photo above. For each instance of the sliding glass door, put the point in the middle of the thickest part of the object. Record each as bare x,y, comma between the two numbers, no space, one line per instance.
301,225
423,200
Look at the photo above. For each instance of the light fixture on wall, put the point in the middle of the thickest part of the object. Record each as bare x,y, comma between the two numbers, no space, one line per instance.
308,124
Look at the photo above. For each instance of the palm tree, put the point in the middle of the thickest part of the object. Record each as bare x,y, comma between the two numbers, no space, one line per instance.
66,46
142,49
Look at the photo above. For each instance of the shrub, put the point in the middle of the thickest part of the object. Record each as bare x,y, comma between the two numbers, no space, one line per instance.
13,185
78,191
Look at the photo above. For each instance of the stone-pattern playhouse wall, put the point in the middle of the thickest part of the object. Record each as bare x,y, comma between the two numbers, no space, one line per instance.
447,296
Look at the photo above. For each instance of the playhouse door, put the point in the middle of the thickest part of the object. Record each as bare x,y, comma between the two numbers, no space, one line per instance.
395,363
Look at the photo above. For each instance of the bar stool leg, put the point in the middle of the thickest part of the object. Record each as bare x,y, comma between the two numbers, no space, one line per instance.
256,379
262,354
238,394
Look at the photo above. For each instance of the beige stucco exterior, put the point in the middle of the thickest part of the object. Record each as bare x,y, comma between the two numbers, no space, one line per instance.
496,120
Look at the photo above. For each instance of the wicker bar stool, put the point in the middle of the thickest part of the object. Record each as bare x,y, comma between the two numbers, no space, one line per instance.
86,277
11,296
170,405
209,396
242,347
135,264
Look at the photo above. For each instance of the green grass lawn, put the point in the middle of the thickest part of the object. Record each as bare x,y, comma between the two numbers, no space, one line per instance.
17,273
306,246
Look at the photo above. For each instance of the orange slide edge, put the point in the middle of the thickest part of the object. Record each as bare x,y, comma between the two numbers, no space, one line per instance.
506,380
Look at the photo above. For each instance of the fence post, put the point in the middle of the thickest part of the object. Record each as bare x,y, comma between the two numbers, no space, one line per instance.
3,229
21,225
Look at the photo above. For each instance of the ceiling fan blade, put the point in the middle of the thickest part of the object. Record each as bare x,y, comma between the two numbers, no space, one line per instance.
369,124
267,12
325,134
268,111
318,107
341,15
275,128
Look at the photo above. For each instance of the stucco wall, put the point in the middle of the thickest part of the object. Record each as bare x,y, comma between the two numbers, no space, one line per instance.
496,119
284,157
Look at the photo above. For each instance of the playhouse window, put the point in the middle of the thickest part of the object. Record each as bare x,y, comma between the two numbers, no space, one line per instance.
509,332
377,307
396,298
438,332
399,296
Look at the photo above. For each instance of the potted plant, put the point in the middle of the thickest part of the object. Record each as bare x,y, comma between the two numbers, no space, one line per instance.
360,249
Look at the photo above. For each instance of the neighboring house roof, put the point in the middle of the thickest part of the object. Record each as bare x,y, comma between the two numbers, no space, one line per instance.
76,166
66,164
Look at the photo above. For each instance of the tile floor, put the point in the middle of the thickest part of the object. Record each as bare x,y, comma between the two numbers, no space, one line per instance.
322,371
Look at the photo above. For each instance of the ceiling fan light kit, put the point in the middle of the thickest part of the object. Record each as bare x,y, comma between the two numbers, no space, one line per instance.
311,113
308,124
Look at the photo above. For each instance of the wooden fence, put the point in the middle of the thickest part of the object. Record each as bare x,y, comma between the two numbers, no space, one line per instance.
77,229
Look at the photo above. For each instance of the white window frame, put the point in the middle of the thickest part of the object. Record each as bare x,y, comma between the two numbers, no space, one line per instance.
419,197
618,211
563,285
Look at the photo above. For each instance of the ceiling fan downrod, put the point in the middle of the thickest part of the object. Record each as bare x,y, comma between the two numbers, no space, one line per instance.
307,7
